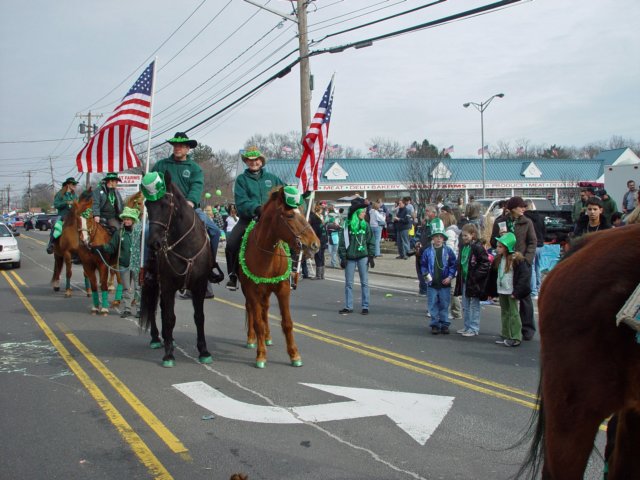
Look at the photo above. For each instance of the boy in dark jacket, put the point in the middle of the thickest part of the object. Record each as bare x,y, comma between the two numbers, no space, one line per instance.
510,281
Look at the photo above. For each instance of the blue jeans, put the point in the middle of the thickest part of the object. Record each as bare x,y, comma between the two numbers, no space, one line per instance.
333,254
471,311
403,242
349,273
438,302
212,230
535,272
377,234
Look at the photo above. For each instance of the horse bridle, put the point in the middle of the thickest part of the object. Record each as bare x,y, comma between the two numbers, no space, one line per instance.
297,236
167,249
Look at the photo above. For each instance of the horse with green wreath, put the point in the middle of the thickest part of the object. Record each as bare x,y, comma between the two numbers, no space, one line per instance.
266,253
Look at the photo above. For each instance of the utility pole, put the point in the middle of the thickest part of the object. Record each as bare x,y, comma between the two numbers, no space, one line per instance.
305,72
29,191
9,197
89,129
53,181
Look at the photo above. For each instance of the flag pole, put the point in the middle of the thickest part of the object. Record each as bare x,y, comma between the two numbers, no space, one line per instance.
146,161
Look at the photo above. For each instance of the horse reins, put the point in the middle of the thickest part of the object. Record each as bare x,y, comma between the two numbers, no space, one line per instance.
297,236
167,249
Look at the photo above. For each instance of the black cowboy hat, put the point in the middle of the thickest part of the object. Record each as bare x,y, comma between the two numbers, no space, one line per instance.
356,204
70,180
180,138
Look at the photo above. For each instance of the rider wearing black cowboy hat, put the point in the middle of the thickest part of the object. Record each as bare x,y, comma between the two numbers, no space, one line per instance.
62,201
107,202
187,175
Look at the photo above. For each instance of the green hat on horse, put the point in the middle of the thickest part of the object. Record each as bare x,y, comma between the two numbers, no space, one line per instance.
292,197
153,186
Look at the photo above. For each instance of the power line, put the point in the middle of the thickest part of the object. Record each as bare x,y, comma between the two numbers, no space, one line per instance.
39,141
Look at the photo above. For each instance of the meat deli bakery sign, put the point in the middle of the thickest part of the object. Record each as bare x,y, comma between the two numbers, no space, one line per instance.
442,186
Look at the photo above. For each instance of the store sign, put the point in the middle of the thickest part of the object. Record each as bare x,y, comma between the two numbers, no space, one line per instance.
129,184
345,187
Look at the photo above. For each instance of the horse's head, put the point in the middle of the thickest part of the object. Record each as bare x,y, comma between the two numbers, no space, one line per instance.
289,224
162,211
135,201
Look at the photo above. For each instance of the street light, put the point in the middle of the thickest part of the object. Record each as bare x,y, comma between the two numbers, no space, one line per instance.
481,107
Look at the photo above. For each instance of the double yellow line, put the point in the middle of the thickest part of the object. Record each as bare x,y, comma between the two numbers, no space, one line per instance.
461,379
139,447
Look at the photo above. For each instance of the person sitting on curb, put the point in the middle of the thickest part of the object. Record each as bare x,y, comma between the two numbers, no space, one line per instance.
62,201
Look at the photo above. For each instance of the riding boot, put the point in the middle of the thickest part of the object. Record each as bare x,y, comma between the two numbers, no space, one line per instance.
232,261
50,245
215,275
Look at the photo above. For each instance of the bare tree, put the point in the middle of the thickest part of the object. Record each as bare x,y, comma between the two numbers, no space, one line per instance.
386,148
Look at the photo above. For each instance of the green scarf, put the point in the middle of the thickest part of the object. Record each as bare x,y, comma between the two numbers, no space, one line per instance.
464,261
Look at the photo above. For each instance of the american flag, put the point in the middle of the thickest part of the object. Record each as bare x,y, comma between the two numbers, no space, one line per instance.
484,149
448,150
110,149
412,150
520,151
314,144
373,148
287,149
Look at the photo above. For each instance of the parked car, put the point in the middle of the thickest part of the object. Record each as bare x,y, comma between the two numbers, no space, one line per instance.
9,250
45,221
18,222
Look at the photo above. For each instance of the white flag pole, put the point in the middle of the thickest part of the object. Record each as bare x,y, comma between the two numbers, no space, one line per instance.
146,162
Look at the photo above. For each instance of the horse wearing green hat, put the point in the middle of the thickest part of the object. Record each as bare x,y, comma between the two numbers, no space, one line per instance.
266,254
180,258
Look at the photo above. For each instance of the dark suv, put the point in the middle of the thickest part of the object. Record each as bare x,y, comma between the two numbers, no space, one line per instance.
44,222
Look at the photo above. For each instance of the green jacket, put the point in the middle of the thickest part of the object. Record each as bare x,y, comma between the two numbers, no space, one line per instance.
125,248
62,201
187,176
252,191
352,253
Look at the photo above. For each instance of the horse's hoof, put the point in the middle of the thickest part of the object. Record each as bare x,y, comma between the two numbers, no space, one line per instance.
155,345
168,363
261,364
268,343
251,345
296,363
205,360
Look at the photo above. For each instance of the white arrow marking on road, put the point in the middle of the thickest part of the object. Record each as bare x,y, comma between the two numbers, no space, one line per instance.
417,414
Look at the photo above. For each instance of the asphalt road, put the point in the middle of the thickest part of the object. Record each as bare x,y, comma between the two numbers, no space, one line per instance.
84,397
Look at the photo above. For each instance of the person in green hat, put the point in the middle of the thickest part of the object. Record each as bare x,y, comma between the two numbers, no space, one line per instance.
107,202
251,191
438,267
62,201
187,175
121,244
510,280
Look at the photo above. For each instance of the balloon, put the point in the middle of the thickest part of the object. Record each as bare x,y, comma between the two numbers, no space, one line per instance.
207,195
219,193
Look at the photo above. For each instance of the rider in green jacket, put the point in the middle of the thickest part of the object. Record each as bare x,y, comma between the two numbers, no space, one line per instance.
62,201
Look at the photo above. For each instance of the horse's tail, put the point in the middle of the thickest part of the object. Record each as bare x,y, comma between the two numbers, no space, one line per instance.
149,295
530,467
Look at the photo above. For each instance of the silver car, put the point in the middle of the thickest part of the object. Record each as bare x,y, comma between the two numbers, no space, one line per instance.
9,250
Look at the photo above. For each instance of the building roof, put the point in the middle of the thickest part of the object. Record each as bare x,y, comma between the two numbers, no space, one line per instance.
610,156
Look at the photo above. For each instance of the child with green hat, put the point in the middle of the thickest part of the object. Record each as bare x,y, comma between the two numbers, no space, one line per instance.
121,244
438,266
510,280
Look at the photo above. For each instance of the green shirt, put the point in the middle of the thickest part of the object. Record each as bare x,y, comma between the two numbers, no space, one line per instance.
252,191
62,201
186,175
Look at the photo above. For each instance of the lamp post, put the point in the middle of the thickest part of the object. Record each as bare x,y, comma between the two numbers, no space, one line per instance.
481,107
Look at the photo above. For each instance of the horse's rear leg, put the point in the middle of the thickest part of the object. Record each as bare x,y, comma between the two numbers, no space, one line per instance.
570,431
197,300
167,304
287,328
623,462
250,318
68,266
57,270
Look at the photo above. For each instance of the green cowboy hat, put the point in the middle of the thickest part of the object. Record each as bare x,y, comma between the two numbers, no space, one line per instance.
111,176
70,180
131,213
180,138
153,186
252,153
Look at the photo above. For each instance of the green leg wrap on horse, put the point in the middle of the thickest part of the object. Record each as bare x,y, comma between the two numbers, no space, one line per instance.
105,299
68,284
96,300
118,293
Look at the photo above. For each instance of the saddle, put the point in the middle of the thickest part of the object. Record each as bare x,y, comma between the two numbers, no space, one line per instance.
629,314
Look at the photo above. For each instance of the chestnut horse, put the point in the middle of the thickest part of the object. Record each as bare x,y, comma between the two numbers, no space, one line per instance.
590,368
180,259
265,259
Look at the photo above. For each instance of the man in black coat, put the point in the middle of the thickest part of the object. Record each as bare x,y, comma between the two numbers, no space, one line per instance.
541,232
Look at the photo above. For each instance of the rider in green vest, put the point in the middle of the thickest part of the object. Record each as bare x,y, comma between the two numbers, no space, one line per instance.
62,201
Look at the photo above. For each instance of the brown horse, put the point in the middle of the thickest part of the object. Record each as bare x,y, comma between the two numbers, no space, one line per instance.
63,249
590,367
265,259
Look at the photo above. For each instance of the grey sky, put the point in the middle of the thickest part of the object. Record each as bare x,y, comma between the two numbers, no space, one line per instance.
569,71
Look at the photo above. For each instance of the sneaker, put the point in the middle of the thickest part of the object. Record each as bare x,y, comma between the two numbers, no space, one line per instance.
125,314
232,284
528,336
428,315
399,257
435,330
462,330
500,342
365,311
345,311
469,333
444,330
509,342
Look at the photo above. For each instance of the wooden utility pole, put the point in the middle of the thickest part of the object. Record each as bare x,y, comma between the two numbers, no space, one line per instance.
90,131
305,73
53,181
29,191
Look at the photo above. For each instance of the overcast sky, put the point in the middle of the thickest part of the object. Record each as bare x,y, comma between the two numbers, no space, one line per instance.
570,72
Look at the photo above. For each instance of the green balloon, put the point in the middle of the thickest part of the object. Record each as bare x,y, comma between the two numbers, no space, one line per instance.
207,195
219,193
